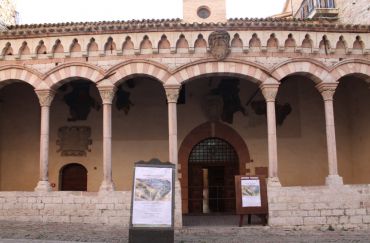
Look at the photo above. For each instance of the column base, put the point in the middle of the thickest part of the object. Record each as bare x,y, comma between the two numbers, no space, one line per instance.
178,205
107,186
43,186
334,180
273,182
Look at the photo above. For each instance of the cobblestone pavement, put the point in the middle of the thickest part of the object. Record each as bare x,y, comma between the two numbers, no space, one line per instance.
62,232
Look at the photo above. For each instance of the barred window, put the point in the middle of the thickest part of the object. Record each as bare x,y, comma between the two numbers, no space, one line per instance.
213,150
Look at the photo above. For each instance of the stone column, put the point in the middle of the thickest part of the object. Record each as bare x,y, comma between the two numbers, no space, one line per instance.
107,95
172,93
327,91
45,99
269,91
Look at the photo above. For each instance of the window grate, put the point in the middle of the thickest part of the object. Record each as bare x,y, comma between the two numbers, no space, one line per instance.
211,151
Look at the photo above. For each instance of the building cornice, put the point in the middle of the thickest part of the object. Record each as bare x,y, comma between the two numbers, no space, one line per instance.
137,26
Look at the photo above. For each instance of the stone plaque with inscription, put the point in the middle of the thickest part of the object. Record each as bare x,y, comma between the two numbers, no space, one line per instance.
74,141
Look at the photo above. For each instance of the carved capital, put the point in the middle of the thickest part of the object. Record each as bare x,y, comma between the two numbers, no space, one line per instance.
107,94
327,90
269,91
172,93
45,96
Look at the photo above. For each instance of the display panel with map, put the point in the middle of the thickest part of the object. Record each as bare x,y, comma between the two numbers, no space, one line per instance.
251,193
152,197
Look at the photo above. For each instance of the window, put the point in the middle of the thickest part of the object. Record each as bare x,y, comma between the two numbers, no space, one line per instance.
310,5
203,12
330,4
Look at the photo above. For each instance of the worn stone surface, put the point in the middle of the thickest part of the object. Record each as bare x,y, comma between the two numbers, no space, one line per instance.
341,207
77,232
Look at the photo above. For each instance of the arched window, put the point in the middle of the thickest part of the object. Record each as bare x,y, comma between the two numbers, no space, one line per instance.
213,150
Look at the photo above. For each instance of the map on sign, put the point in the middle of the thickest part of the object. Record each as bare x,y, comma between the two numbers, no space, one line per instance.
152,202
251,193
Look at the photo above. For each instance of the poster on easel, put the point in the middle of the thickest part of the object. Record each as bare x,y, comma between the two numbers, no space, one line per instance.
251,193
251,197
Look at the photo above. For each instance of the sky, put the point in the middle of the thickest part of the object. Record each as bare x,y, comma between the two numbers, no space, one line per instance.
57,11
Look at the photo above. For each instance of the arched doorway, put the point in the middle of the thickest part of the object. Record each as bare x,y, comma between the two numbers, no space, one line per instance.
73,177
213,163
226,156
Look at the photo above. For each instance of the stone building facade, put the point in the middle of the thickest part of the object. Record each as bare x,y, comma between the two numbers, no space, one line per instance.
288,99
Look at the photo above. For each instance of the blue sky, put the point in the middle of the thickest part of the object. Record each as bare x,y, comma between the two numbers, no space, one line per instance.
52,11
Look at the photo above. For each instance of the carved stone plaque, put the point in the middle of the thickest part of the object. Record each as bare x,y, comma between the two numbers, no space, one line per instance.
219,44
74,141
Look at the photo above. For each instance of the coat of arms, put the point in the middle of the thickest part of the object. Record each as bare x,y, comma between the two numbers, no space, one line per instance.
219,44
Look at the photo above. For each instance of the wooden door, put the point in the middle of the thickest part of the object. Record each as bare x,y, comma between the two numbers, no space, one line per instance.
73,178
195,189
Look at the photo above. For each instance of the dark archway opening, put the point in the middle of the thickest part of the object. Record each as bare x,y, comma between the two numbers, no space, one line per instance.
73,177
213,163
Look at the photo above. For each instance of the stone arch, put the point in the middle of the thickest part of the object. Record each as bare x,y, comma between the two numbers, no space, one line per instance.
58,47
164,45
358,43
57,76
314,70
200,45
110,46
41,48
17,72
128,45
182,45
307,42
92,46
75,46
324,45
236,42
252,71
24,49
126,70
341,46
352,67
272,42
146,44
255,42
7,50
290,42
203,131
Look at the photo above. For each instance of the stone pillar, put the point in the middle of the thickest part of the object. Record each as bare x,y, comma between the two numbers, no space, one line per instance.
107,95
45,99
327,91
269,91
172,93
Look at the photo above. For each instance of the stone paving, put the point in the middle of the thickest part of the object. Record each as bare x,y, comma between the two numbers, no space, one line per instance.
63,232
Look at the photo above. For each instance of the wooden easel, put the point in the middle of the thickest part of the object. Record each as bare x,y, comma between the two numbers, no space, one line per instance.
262,211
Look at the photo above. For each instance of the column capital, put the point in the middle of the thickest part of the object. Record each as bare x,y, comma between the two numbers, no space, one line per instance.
45,96
269,91
327,90
172,93
107,93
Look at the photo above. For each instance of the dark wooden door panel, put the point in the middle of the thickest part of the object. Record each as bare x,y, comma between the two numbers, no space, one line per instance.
74,178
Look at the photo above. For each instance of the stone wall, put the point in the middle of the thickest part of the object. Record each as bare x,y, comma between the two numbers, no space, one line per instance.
71,207
353,12
342,207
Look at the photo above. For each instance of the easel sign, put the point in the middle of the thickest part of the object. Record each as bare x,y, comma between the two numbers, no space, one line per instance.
251,197
152,202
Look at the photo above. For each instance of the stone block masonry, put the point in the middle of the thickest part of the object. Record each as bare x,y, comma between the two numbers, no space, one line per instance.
111,208
340,207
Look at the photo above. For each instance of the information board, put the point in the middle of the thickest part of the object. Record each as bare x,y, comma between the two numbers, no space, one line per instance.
251,196
152,202
152,197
